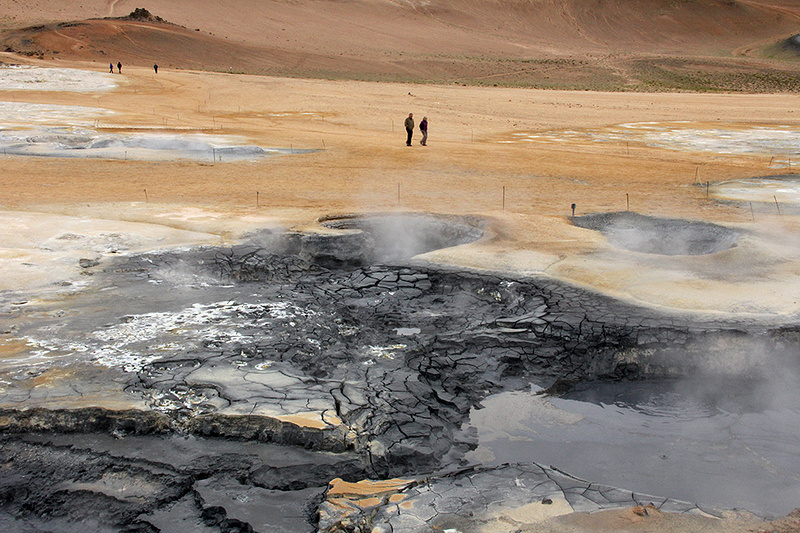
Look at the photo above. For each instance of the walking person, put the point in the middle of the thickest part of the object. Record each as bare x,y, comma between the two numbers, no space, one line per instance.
423,127
409,128
111,68
119,67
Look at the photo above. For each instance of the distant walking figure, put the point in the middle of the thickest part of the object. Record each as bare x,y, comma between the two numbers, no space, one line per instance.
111,68
423,127
119,67
409,128
155,67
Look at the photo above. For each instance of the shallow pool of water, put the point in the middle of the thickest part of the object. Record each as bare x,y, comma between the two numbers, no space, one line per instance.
719,444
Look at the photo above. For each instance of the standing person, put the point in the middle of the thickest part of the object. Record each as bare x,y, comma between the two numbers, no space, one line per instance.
119,67
155,67
409,128
423,127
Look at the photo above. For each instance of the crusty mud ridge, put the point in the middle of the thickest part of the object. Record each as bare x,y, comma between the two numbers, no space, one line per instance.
226,388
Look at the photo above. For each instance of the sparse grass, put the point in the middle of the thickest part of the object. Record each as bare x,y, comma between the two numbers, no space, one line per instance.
545,73
575,74
713,76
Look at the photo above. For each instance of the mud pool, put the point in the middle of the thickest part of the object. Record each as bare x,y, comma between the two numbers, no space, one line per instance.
660,236
226,387
726,443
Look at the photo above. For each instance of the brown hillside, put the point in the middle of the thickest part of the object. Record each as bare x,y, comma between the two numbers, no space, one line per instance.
594,44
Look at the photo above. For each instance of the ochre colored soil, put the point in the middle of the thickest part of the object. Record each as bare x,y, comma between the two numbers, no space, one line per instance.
524,188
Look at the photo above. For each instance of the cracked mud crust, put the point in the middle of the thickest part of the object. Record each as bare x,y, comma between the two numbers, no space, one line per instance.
375,367
512,498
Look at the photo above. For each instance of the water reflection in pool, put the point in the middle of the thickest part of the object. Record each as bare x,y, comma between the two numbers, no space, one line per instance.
722,444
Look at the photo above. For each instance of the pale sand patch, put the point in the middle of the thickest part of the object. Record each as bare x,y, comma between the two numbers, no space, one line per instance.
30,78
43,250
25,114
630,521
523,244
311,420
526,515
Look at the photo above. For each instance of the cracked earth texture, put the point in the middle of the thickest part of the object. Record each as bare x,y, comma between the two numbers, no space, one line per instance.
221,389
506,498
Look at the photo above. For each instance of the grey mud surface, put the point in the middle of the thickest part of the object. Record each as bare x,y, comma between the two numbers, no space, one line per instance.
656,235
223,389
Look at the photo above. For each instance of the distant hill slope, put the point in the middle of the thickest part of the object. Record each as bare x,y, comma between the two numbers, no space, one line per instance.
581,44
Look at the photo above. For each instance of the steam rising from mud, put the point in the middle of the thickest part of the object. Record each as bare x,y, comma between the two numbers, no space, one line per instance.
725,436
396,237
664,236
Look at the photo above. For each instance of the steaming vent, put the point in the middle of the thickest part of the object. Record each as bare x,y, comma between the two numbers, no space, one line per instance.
382,238
663,236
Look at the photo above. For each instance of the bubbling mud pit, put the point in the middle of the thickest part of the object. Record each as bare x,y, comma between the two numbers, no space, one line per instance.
663,236
224,389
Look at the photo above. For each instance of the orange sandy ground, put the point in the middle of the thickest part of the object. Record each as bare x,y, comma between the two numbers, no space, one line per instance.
364,166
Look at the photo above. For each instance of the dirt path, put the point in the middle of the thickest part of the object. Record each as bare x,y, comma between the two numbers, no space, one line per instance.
111,5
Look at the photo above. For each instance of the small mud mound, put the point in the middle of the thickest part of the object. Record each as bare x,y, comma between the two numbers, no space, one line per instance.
390,237
663,236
